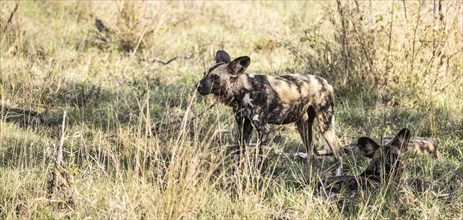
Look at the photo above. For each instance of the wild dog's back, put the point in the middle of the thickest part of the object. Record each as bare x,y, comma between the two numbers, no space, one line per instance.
293,87
287,98
417,145
423,145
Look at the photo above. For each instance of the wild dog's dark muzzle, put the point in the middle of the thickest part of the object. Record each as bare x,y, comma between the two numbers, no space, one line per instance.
203,90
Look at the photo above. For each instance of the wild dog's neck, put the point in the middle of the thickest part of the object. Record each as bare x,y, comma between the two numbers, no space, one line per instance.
236,89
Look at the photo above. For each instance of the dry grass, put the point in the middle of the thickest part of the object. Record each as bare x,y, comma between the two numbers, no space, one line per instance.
134,149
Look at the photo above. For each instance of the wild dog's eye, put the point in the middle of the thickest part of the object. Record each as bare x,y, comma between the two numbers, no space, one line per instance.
204,73
215,77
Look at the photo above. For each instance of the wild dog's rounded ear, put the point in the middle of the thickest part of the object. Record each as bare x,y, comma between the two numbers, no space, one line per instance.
239,65
367,146
222,57
402,138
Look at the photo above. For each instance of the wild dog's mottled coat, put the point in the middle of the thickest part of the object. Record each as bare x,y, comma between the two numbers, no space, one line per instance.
423,145
259,100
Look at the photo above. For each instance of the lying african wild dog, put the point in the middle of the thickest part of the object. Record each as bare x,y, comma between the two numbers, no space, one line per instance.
384,164
259,100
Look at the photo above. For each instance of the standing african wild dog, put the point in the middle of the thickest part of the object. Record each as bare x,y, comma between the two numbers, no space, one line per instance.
384,165
259,100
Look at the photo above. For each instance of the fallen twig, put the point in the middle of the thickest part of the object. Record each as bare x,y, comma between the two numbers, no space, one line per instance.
11,17
20,111
172,59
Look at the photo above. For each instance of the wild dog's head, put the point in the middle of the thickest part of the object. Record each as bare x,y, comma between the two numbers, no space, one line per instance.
384,158
223,78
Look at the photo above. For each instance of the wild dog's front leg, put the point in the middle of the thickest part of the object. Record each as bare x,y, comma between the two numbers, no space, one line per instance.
262,129
244,134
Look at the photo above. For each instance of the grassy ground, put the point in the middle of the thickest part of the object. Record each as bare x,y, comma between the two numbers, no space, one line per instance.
133,148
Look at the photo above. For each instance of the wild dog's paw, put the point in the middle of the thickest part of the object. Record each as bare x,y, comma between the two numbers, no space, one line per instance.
301,155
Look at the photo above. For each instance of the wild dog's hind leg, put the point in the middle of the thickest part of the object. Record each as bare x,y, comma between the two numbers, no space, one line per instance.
304,127
325,123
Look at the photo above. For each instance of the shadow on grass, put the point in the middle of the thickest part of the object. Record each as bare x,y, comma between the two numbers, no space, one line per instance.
93,109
